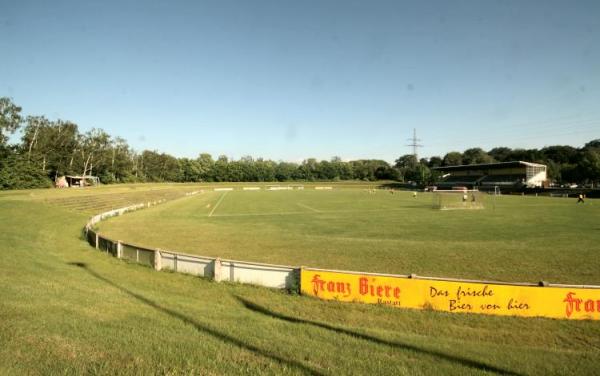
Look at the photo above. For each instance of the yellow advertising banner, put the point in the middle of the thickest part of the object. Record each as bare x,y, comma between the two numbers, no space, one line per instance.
450,296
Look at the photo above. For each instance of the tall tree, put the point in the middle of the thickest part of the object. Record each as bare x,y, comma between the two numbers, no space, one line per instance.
366,169
17,172
590,165
434,161
594,144
476,156
285,171
220,168
310,169
10,118
500,154
190,170
265,169
527,155
121,167
559,153
453,158
94,151
406,161
34,130
49,145
206,164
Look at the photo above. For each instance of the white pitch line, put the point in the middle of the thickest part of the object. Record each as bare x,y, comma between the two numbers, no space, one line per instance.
307,213
259,214
217,204
308,207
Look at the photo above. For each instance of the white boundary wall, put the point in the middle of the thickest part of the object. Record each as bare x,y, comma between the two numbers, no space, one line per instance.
268,275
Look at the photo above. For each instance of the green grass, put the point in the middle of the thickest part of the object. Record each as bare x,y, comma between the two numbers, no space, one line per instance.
520,239
68,309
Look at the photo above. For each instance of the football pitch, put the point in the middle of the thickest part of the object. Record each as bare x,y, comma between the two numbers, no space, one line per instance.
66,308
514,239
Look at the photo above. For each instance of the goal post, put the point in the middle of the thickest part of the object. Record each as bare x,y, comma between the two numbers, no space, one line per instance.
458,199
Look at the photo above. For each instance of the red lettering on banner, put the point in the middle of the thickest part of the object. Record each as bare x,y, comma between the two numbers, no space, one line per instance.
387,290
575,304
320,285
363,286
381,291
572,304
330,286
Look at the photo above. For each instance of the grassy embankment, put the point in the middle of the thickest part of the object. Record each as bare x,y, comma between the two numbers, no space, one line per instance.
66,308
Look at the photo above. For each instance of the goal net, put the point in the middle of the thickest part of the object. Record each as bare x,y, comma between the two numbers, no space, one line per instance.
458,199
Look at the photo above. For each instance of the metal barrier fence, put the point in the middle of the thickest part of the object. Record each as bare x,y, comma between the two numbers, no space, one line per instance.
268,275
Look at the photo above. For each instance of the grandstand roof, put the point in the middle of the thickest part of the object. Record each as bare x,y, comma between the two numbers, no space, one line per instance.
488,166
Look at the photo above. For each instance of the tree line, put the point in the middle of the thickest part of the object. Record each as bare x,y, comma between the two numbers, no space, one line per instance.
49,149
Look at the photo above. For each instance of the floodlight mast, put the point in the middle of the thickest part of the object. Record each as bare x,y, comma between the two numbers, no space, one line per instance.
414,143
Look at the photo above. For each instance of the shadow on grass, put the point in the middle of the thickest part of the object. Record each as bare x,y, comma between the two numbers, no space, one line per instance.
404,346
199,326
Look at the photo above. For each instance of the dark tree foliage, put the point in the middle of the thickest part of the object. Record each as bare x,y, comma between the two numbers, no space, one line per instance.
16,172
454,158
476,156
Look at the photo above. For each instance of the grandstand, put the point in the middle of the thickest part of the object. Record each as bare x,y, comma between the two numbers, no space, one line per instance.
488,176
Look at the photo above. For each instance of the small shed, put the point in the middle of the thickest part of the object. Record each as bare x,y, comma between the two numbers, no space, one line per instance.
81,180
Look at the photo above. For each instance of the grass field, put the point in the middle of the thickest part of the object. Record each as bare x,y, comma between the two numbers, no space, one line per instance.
515,238
68,309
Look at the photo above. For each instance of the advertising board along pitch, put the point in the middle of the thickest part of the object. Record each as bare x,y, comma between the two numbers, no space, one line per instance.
279,188
525,300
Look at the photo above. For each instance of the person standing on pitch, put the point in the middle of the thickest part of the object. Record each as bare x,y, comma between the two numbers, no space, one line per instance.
580,199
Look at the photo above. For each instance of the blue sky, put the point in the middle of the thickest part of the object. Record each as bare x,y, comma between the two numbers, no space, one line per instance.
288,80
